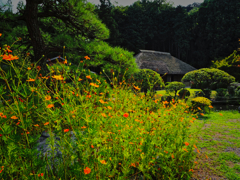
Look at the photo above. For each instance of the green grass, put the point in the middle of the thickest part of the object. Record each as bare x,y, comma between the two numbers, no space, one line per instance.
219,139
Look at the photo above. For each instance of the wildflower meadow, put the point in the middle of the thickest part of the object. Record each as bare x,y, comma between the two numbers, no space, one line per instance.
133,133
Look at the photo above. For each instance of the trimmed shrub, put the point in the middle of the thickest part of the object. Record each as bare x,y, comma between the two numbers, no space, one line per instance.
231,90
221,92
207,93
213,86
222,85
183,93
237,91
206,77
174,87
199,94
199,103
147,79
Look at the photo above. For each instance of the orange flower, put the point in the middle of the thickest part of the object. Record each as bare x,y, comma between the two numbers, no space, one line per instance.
125,115
93,84
83,127
190,170
172,156
65,62
92,146
136,87
201,114
50,106
8,50
0,34
79,79
186,143
47,97
9,57
66,130
133,164
86,57
103,162
220,114
210,106
89,77
13,117
103,114
39,68
88,96
59,77
40,174
87,170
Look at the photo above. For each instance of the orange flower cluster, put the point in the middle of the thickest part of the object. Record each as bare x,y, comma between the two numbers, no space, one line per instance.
7,56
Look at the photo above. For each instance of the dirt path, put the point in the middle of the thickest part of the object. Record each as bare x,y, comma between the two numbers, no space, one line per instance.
220,141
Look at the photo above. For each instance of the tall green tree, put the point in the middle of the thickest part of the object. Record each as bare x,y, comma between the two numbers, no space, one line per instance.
54,24
217,30
230,64
105,12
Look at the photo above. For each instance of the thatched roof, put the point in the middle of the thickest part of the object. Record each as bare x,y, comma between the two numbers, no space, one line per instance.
162,62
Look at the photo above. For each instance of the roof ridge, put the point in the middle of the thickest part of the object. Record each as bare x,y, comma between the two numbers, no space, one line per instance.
151,51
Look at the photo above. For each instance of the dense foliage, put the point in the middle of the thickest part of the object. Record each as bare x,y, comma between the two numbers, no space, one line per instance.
230,64
206,77
69,26
174,87
147,79
196,34
200,103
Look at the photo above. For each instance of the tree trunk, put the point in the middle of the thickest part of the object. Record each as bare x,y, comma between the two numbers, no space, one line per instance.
35,35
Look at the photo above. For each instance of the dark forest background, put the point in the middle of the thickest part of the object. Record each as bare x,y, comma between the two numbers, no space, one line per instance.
196,34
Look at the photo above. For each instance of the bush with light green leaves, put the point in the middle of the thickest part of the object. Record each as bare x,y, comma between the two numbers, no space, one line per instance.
208,76
147,80
199,103
174,87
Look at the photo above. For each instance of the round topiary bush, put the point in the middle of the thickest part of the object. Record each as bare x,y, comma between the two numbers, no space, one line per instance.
221,92
147,79
184,93
231,90
199,103
174,87
213,86
199,94
237,91
207,93
222,85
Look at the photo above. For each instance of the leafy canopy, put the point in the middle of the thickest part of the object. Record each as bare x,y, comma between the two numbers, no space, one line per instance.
208,76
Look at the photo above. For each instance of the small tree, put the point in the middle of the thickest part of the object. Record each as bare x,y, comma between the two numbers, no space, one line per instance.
147,80
174,87
208,76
